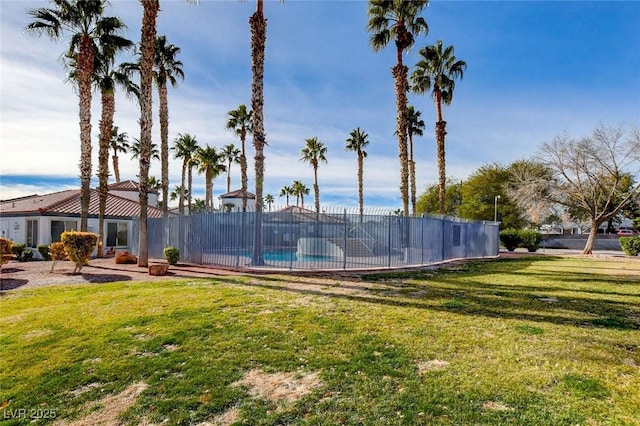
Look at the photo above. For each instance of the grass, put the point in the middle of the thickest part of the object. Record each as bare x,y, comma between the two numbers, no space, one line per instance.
536,340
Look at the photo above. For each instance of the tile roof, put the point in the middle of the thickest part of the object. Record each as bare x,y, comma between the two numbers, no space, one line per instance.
237,194
128,185
67,203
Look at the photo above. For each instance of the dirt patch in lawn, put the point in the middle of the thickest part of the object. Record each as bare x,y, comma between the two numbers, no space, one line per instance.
279,387
109,408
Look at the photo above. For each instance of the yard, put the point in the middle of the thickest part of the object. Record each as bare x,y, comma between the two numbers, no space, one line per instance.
539,340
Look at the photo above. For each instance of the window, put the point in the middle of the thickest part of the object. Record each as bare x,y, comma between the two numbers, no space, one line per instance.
32,233
117,234
59,226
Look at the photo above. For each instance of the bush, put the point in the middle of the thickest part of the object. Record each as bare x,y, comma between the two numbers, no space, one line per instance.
5,250
44,252
25,256
56,252
78,246
510,238
17,249
530,239
630,245
172,254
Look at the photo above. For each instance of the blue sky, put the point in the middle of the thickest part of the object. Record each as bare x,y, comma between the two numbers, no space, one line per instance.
535,70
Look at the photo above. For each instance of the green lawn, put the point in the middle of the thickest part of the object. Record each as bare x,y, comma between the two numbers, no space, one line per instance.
535,341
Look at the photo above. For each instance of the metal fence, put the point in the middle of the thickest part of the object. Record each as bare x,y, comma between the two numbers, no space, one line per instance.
297,239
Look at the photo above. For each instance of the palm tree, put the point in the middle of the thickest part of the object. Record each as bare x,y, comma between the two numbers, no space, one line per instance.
107,77
398,20
299,189
199,206
258,25
239,122
314,153
178,192
166,69
154,183
211,163
185,147
357,142
437,71
231,155
415,126
150,9
285,192
119,143
85,23
269,200
135,149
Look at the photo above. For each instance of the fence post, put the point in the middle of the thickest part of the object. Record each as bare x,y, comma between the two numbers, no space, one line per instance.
389,241
422,240
293,235
346,232
442,220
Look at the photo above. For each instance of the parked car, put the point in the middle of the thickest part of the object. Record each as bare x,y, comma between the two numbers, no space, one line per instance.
626,233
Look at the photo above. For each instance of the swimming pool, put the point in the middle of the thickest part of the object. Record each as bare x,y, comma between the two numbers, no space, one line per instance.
289,256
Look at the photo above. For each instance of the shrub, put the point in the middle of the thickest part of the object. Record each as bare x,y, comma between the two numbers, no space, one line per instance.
25,256
630,245
5,250
531,239
56,252
79,246
17,249
44,252
172,254
510,238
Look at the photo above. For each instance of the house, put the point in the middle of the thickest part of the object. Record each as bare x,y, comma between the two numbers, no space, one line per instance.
131,190
232,201
41,219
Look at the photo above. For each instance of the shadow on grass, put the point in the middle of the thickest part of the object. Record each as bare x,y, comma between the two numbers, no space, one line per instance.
458,292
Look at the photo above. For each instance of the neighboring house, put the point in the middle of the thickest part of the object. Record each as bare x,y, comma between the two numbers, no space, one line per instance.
131,190
41,219
232,201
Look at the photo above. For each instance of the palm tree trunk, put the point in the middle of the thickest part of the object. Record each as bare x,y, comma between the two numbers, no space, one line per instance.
182,187
164,146
412,175
316,189
400,75
258,41
106,123
149,16
209,191
360,184
440,134
229,175
190,186
85,71
243,171
116,168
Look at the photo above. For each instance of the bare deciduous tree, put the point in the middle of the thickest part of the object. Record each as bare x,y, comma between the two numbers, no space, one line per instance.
594,177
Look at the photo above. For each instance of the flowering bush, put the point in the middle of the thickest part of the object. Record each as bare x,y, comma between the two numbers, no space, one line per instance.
56,253
5,250
79,246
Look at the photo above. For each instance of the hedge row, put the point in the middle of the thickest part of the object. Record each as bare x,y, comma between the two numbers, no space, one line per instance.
630,245
527,238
